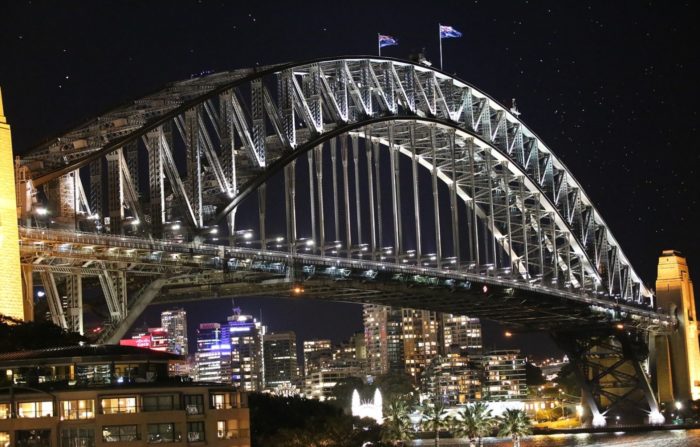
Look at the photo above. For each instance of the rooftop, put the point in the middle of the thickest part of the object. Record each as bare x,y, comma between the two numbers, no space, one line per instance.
85,354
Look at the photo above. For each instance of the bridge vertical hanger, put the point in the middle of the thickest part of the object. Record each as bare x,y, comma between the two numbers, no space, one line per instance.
474,211
115,192
377,177
312,197
319,190
436,198
290,205
358,199
262,208
453,200
334,167
370,195
156,179
395,193
416,200
346,193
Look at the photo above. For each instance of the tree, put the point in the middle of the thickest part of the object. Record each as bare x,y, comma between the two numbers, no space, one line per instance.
395,385
342,392
397,425
17,335
474,422
516,424
533,375
435,418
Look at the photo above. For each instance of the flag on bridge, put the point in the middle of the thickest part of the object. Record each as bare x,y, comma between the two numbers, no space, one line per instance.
446,32
385,41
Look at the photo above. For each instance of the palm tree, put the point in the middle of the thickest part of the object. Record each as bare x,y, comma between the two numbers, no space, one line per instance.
397,425
474,422
516,424
435,418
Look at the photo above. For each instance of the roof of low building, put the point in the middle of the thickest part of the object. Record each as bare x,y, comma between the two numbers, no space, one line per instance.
84,354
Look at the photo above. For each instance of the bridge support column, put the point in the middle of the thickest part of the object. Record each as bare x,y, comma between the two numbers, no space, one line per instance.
677,355
608,364
74,295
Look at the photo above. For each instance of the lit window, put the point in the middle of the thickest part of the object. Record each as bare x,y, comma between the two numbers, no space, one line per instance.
4,439
35,409
116,405
77,409
4,412
221,401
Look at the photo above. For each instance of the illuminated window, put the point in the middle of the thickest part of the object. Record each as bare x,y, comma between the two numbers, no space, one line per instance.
4,439
120,433
117,405
35,409
78,437
77,409
221,401
4,412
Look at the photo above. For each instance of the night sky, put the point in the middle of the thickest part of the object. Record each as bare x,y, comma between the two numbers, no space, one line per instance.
611,87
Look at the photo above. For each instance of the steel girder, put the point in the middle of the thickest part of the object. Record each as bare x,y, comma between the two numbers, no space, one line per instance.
236,129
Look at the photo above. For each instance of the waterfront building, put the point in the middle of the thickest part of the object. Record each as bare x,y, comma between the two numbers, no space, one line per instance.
383,339
454,377
318,354
213,356
174,323
280,353
245,335
504,372
461,334
90,396
420,339
319,384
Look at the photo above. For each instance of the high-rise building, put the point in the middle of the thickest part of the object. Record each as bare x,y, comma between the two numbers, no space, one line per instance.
420,339
317,355
383,339
351,353
174,323
245,335
213,357
461,335
280,352
454,377
504,372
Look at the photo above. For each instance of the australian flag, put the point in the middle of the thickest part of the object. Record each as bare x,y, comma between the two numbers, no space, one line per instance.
447,32
386,41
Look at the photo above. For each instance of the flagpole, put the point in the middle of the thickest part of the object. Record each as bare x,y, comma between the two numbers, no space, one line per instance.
440,38
379,45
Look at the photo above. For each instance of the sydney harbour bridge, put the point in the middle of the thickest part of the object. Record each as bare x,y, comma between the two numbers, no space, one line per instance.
357,179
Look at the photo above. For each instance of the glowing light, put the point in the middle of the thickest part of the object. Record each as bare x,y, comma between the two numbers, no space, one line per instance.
41,294
176,227
679,405
599,420
620,326
42,211
656,418
485,288
368,409
508,334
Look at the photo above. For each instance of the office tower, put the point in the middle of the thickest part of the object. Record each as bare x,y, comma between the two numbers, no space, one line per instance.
280,352
504,372
461,335
383,338
420,339
213,357
245,334
174,323
317,355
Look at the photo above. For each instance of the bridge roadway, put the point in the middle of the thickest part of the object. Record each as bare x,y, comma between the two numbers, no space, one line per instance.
193,271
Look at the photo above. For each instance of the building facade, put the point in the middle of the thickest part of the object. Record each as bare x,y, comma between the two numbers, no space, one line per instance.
129,398
213,356
383,339
504,373
461,335
280,353
245,334
174,323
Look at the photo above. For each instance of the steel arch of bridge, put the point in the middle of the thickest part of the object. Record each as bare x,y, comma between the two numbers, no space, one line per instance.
239,128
